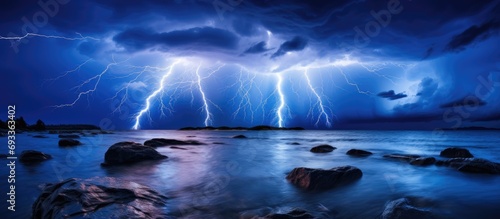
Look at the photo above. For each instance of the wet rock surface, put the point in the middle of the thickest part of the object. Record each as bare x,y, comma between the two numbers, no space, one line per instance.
159,142
98,198
320,179
358,153
324,148
67,142
239,136
456,153
471,165
130,152
293,214
32,156
408,208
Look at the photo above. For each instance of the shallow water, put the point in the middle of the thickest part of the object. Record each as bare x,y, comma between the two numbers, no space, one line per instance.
246,177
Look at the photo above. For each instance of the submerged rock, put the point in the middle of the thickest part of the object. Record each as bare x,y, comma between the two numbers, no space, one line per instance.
31,156
239,136
324,148
319,179
130,152
69,142
359,153
294,143
402,157
69,136
455,153
98,198
159,142
407,208
472,165
293,214
423,161
180,148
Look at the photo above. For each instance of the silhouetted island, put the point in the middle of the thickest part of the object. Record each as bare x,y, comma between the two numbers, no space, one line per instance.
226,128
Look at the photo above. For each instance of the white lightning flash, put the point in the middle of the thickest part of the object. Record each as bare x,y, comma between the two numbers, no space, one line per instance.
282,105
208,115
319,103
80,37
153,95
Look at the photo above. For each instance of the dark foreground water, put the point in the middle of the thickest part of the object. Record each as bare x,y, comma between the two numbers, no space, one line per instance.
243,178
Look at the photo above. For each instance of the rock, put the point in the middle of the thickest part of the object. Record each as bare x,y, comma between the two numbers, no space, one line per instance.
218,142
39,136
294,143
359,153
69,142
98,198
31,156
472,165
130,152
455,153
293,214
159,142
402,157
175,147
239,136
324,148
69,136
407,208
319,179
423,161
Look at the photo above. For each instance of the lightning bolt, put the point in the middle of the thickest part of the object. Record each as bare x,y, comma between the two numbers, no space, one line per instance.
319,103
208,115
18,38
153,95
282,105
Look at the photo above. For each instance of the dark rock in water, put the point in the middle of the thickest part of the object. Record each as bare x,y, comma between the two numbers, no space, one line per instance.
407,208
39,136
69,142
218,143
357,152
324,148
402,157
294,143
130,152
423,161
239,136
69,136
472,165
319,179
293,214
31,156
175,147
98,198
455,153
158,142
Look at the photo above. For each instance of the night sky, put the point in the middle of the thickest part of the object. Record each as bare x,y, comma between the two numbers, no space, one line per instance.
159,64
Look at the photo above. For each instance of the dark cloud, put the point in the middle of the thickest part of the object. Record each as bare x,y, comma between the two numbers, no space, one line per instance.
427,87
295,44
472,34
257,48
391,95
469,101
199,38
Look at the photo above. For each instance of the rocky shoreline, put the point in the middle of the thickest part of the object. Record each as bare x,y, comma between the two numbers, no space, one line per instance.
108,197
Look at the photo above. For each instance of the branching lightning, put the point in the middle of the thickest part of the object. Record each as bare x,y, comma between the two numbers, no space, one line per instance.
80,37
319,103
282,104
208,119
153,95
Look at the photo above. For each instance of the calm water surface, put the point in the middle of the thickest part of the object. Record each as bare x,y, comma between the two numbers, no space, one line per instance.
242,178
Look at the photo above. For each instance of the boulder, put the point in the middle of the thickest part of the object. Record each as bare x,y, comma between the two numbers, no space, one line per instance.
471,165
293,214
130,152
239,136
66,142
31,156
98,198
294,143
359,153
455,153
423,161
402,157
69,136
407,208
159,142
319,179
324,148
